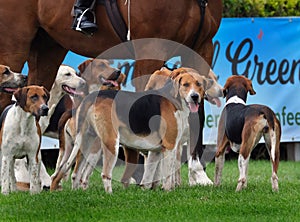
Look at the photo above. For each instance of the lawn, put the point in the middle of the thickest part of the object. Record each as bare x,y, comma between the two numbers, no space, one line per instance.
256,203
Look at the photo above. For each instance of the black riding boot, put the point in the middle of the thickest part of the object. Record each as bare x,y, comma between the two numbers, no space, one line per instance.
84,17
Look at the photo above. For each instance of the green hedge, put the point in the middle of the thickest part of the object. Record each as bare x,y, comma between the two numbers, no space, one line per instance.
260,8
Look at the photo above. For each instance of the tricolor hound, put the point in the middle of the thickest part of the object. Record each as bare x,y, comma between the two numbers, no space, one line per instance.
21,136
98,75
196,172
149,121
241,126
67,82
10,81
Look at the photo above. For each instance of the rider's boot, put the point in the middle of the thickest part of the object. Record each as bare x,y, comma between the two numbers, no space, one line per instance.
84,17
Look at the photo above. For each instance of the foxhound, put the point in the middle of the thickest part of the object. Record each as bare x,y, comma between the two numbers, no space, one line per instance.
85,166
10,81
21,136
67,82
149,121
98,75
241,126
196,172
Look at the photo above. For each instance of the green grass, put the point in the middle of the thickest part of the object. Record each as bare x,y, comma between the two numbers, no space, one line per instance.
256,203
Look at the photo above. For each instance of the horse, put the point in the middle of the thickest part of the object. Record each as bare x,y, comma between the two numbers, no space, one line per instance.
41,35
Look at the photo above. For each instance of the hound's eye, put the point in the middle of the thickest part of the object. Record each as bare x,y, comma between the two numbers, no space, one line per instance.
6,72
68,74
186,84
198,84
34,98
102,65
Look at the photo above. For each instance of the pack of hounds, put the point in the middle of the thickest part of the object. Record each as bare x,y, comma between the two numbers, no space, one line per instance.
99,119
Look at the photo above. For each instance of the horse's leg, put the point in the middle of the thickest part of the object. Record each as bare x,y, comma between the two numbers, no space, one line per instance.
45,57
16,38
14,48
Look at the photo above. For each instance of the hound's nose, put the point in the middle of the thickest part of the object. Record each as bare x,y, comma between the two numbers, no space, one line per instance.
195,97
82,84
44,110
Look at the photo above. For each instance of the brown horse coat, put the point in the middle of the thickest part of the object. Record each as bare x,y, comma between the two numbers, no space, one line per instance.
42,34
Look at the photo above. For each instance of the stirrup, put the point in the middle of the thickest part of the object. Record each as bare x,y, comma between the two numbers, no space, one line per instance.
79,20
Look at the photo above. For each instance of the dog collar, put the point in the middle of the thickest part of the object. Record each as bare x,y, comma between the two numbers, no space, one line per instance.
235,99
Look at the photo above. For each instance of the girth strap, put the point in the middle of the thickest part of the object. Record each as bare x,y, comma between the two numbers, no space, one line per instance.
120,26
202,4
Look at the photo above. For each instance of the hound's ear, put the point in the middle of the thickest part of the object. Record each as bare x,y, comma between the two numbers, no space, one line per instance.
207,83
172,86
82,67
47,93
21,96
250,87
121,78
175,73
225,89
